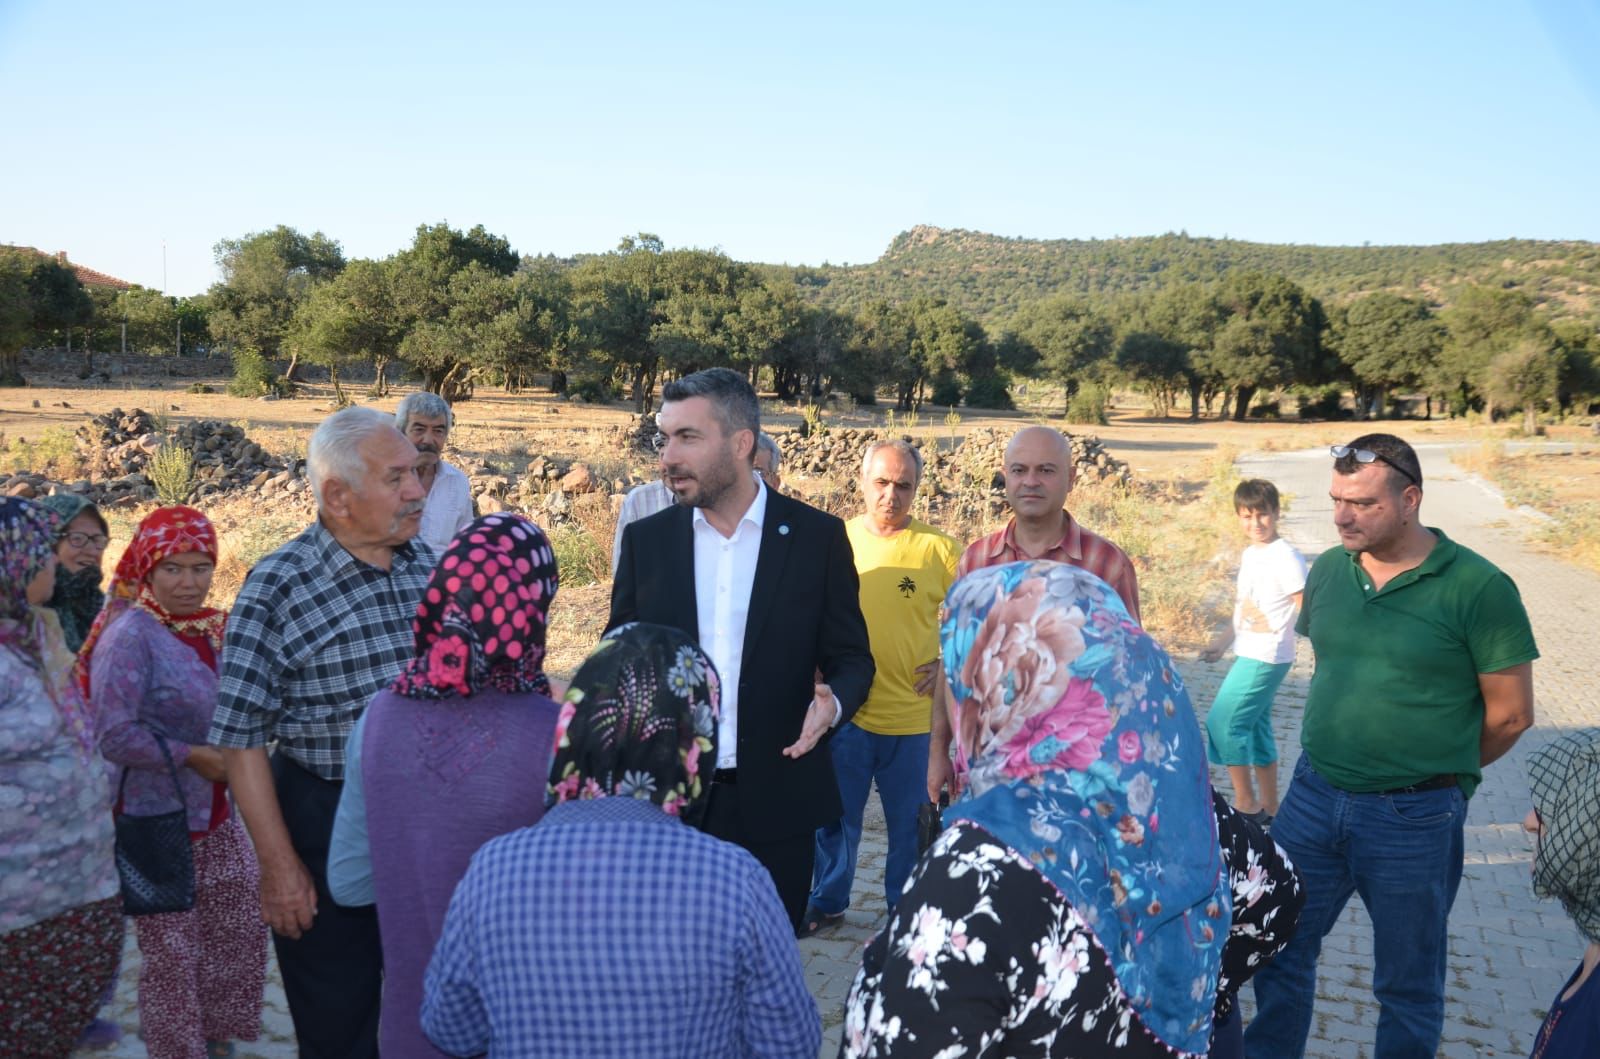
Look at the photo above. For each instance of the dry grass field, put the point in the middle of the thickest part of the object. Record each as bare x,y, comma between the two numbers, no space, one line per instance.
1563,485
1176,521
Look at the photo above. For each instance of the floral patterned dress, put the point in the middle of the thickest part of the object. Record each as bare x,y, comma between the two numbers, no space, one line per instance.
984,957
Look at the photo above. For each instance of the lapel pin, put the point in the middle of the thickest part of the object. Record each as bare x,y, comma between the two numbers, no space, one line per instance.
783,528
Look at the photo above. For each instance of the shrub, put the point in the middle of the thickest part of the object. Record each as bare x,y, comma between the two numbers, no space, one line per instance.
1088,405
1266,410
990,391
596,389
252,375
171,471
946,390
580,558
1323,402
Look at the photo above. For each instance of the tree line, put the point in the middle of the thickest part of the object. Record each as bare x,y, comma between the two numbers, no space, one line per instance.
461,309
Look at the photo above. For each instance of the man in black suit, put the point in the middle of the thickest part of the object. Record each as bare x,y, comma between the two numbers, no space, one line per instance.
767,585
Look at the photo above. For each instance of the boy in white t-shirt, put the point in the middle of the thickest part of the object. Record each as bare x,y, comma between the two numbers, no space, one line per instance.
1272,578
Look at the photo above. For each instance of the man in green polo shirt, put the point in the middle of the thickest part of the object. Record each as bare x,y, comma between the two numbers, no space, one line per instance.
1424,674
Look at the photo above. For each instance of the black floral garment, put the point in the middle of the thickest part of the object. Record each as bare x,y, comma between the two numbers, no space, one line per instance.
984,958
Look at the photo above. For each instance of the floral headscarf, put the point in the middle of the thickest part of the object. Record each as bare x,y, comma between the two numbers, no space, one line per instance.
640,721
27,541
1565,778
1084,756
481,622
165,532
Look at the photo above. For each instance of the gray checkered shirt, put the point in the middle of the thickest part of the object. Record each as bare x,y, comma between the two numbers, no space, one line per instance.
314,634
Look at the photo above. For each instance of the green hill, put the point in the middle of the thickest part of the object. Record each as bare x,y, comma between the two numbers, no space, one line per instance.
990,276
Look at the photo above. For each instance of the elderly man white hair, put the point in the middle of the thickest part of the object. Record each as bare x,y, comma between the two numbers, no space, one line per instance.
425,419
338,448
318,627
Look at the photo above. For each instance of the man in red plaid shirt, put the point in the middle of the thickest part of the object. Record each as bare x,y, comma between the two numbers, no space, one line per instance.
1039,475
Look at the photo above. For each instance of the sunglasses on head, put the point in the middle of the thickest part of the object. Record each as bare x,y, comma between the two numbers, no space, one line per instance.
1368,456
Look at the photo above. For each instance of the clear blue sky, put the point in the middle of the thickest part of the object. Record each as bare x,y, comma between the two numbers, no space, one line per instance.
789,133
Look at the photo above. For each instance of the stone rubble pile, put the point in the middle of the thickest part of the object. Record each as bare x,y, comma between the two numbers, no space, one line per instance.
950,462
545,491
118,446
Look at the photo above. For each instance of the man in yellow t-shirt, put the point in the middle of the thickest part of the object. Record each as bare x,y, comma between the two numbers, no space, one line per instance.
905,566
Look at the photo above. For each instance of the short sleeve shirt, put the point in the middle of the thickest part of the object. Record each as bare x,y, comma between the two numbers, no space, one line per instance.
904,579
1395,699
1077,547
1263,613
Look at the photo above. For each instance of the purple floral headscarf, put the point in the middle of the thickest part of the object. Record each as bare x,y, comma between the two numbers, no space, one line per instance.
27,541
1084,756
481,622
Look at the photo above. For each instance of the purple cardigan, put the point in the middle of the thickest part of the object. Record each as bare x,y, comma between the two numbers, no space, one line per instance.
440,779
144,680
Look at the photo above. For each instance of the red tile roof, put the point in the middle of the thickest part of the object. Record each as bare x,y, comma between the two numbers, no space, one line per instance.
87,276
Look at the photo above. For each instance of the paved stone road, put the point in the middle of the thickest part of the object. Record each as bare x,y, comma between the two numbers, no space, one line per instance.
1509,953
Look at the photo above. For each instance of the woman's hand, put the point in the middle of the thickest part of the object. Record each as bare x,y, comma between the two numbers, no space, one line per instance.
207,761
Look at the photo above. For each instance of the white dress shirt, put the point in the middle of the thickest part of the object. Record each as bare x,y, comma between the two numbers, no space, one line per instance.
447,509
724,573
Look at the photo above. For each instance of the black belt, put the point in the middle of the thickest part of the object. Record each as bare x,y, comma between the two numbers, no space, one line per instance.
1436,783
725,776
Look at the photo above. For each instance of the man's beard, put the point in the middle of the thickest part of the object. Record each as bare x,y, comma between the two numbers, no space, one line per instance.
711,486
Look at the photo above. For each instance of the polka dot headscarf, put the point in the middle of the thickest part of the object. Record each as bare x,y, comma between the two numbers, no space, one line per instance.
481,622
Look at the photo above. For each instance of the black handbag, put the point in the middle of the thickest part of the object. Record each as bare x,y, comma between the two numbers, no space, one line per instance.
930,821
154,857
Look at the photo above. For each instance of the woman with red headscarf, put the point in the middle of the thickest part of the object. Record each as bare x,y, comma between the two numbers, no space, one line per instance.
149,669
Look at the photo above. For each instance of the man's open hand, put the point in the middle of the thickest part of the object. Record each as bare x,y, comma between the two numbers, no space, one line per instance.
819,718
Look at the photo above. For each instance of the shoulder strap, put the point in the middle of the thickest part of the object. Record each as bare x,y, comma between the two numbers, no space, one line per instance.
172,770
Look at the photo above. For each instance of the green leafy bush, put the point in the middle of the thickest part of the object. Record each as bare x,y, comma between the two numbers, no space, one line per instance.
596,389
1322,402
252,375
1088,405
990,391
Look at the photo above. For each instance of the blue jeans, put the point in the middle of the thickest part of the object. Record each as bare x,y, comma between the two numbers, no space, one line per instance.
1402,853
900,765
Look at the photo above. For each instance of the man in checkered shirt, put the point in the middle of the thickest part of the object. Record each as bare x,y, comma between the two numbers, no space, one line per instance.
320,625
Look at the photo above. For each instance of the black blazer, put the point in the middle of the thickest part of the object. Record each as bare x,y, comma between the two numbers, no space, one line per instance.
805,616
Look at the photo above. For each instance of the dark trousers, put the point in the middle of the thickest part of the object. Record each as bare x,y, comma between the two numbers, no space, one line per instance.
333,974
1227,1036
787,860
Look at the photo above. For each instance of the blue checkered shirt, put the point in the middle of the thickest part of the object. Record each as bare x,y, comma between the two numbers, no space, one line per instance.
612,929
314,634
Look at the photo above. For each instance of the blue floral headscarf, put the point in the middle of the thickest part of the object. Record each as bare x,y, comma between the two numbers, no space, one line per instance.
1083,755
